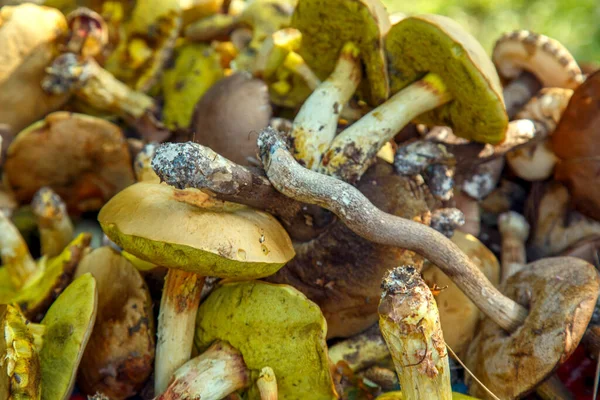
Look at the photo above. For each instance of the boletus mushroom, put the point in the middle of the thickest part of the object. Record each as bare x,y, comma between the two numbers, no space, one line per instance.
54,224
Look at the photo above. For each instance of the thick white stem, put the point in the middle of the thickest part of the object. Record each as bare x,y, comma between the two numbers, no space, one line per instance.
267,384
515,231
54,224
15,254
316,123
351,151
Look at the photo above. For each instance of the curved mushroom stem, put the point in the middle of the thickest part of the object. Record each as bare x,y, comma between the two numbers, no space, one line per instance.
410,324
213,375
54,224
514,230
519,91
267,384
353,150
176,324
366,220
316,123
15,254
360,351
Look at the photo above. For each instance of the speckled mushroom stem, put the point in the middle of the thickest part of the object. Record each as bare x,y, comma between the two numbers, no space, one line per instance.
515,231
353,151
15,254
360,351
518,92
54,224
267,384
176,324
410,323
315,124
213,375
366,220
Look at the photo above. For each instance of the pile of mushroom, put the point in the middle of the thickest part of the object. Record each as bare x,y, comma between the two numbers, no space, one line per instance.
294,199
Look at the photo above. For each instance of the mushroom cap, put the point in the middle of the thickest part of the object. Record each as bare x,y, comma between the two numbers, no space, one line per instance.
459,315
35,298
271,325
229,116
576,142
69,323
20,375
546,58
560,294
84,159
195,69
327,25
29,34
123,336
433,43
189,230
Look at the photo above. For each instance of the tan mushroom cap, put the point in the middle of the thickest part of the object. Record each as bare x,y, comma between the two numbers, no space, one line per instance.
189,230
560,294
436,44
540,55
29,35
458,315
326,25
84,159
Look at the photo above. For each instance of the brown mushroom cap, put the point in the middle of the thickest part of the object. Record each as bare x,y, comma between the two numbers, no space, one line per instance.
561,295
229,116
84,159
576,141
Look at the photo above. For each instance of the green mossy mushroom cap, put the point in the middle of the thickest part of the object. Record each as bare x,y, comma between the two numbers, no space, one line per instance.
326,25
68,323
189,230
425,44
275,326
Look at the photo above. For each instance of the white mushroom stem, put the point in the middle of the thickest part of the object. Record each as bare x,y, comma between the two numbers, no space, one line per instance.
410,323
316,123
360,351
54,224
515,231
213,375
352,151
369,222
267,384
176,324
15,254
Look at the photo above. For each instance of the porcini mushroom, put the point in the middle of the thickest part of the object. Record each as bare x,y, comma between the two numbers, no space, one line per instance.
428,82
54,224
207,237
84,159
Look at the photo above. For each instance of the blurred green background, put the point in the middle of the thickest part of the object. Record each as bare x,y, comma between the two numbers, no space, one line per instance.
575,23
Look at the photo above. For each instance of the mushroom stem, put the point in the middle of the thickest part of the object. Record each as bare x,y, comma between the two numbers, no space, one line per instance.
553,389
267,384
410,324
519,91
54,224
176,324
15,254
353,150
315,124
295,63
366,220
514,230
213,375
360,351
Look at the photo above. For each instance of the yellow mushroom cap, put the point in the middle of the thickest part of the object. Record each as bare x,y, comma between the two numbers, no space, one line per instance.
271,325
189,230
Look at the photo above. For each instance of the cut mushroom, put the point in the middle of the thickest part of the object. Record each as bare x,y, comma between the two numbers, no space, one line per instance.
267,384
56,228
514,230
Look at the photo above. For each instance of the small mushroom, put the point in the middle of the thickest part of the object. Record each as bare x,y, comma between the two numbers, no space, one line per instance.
84,159
88,32
531,61
30,36
119,355
249,245
54,224
514,230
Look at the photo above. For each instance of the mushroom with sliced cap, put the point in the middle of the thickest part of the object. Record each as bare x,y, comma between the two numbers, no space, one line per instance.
54,224
531,61
430,58
119,355
204,237
84,159
30,35
265,325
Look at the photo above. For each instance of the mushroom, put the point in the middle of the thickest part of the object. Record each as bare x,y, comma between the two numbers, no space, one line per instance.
575,142
531,61
360,351
267,384
34,284
88,33
84,159
249,245
561,294
55,226
438,97
514,230
119,355
289,338
30,36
